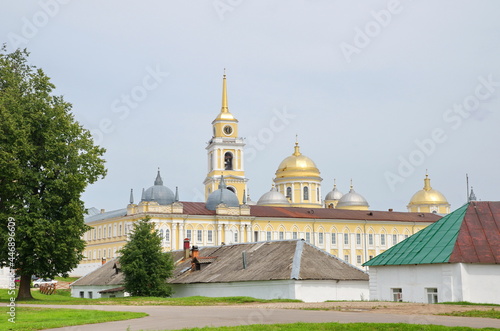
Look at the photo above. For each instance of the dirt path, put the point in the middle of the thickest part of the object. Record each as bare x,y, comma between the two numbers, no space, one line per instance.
374,307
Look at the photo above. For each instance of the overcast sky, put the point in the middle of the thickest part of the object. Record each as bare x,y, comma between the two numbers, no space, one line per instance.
377,91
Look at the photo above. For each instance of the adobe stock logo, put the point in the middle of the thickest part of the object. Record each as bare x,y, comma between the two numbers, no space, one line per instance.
31,27
454,117
372,29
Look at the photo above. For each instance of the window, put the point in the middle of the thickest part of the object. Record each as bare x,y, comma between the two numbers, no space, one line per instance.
289,193
120,230
94,233
160,234
397,294
370,239
114,230
308,237
320,238
104,253
228,161
334,238
104,232
306,193
235,236
346,238
295,235
99,234
358,239
256,236
358,259
346,258
382,239
189,234
406,236
317,194
432,295
109,231
90,294
282,235
370,257
268,235
199,236
394,239
82,294
109,252
210,236
167,235
98,254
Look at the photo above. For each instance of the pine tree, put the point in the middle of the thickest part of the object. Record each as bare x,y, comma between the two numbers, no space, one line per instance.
144,265
46,161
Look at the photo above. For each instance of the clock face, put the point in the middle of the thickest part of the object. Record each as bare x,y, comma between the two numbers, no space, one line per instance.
228,130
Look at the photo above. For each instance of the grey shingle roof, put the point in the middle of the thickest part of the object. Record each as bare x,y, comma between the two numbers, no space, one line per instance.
104,275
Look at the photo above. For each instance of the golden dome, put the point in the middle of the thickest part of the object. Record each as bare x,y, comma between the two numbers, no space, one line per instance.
297,164
428,195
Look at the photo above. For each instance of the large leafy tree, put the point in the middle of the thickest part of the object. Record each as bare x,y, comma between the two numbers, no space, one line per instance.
144,265
46,161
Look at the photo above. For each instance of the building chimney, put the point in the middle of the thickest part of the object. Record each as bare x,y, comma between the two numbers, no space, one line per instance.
244,256
195,252
186,248
102,211
390,209
103,260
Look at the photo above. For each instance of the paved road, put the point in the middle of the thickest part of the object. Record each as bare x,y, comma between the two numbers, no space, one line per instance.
178,317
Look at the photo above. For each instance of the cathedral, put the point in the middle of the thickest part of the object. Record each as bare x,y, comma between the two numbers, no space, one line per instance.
294,208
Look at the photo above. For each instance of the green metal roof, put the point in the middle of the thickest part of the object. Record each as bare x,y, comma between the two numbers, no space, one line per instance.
433,244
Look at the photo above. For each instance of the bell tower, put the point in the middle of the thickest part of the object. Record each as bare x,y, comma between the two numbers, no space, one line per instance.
225,152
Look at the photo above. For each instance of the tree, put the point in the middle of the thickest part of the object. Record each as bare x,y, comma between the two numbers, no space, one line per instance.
46,161
144,265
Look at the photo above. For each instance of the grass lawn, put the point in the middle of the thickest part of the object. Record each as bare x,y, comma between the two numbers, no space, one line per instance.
29,318
467,303
476,313
333,326
63,297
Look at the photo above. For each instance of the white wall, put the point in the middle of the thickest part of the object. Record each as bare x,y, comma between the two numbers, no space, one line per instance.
4,277
75,290
84,268
481,283
322,290
273,289
305,290
455,282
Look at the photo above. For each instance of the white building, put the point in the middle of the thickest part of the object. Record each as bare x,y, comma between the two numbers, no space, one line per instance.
454,259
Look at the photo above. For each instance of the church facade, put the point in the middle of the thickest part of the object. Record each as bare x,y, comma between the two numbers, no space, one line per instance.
294,208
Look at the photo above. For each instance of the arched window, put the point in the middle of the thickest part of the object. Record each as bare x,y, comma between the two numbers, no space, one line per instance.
306,193
160,234
317,194
228,161
289,193
232,189
167,235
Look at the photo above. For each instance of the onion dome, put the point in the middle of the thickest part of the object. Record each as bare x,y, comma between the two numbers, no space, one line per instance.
334,194
428,195
273,198
297,165
222,195
353,201
159,193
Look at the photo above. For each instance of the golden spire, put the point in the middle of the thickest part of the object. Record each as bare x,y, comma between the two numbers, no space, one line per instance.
297,148
427,182
224,108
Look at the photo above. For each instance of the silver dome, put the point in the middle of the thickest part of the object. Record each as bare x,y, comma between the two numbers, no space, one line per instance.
159,193
273,197
222,195
334,194
352,199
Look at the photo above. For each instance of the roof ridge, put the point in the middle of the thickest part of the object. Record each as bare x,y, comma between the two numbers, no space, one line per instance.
297,257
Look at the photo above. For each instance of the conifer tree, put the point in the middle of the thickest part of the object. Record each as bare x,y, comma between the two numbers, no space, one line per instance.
145,266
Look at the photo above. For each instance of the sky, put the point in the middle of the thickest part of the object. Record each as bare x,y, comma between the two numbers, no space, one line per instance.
377,91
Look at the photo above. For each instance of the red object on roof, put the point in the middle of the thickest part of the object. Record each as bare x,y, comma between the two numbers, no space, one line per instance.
479,236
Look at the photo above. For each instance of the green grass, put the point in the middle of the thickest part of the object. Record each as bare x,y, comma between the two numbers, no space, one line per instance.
333,326
476,313
467,303
37,318
63,297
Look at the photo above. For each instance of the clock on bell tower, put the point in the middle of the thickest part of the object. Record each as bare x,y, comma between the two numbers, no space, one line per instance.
225,152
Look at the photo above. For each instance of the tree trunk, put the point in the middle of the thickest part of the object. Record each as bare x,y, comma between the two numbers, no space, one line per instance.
24,288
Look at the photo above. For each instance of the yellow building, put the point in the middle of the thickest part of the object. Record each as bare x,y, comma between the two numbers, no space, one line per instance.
293,209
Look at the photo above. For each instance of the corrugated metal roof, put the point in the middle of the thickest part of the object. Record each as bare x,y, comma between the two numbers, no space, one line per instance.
270,260
470,234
